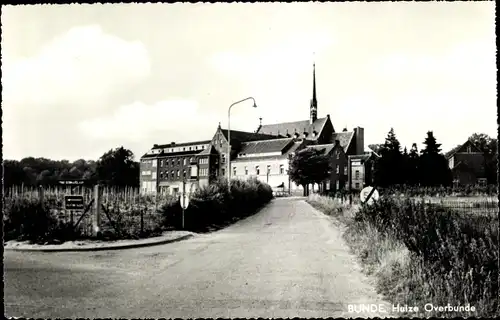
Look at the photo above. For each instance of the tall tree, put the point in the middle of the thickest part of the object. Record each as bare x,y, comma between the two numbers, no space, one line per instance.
388,168
433,167
117,167
413,159
309,166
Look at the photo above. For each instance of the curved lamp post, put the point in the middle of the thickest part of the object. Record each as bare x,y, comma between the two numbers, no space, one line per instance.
229,138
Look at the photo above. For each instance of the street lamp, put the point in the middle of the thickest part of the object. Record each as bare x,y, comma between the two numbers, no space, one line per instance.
229,138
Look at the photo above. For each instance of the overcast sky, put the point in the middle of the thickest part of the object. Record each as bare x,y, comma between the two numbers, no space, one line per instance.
79,80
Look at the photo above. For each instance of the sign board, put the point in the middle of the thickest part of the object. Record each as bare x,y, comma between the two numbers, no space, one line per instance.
73,202
366,192
72,182
184,200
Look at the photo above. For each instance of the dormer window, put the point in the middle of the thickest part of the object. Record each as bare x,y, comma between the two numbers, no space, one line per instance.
314,134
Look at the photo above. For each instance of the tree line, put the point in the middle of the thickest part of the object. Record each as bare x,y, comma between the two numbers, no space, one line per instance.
429,166
115,167
396,166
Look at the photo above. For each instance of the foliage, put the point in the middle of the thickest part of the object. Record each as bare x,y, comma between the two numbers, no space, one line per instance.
33,221
461,248
309,166
420,253
41,171
389,167
214,205
489,146
432,167
117,167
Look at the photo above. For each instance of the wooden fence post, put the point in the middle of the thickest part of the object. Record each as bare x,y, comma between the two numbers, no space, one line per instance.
97,211
40,194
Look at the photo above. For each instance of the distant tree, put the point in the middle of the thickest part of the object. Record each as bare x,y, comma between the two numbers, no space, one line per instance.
489,146
13,173
309,166
433,167
413,159
389,167
117,167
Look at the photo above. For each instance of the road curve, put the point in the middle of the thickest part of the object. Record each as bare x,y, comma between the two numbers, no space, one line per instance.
289,260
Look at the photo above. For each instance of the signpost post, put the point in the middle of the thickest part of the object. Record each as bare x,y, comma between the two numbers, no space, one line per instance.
184,200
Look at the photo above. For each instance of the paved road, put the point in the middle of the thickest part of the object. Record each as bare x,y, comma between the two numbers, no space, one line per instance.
286,261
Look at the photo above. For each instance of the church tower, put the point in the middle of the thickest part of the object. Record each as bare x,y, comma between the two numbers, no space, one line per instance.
314,102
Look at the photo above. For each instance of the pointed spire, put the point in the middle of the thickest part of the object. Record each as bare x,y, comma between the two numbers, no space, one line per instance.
314,103
314,83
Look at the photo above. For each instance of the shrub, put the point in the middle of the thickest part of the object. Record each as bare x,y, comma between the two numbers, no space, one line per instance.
216,204
458,252
33,221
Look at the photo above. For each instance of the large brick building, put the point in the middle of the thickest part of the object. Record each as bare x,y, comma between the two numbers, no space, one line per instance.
263,154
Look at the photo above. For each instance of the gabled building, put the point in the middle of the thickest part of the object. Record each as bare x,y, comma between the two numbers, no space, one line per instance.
361,169
266,160
264,154
165,167
467,164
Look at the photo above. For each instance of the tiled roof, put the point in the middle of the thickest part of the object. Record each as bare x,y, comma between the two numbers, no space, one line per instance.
294,147
264,146
171,154
297,126
252,159
344,138
325,147
170,145
243,136
150,156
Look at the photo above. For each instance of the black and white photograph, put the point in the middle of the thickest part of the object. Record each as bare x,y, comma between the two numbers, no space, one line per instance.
250,160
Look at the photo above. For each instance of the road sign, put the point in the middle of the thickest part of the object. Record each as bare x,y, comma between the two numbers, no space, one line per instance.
368,195
184,200
73,202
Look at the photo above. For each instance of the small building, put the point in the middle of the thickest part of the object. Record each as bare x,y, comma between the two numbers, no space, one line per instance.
467,164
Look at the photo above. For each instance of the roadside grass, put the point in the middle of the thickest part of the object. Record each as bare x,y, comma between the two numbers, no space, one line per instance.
422,254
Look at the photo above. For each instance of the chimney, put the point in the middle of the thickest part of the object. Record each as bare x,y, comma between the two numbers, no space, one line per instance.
359,136
155,145
172,143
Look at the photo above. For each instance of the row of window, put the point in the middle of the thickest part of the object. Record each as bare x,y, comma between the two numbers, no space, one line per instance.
257,170
178,161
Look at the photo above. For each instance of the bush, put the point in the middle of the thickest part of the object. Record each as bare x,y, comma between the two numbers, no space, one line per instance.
30,220
216,205
459,253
